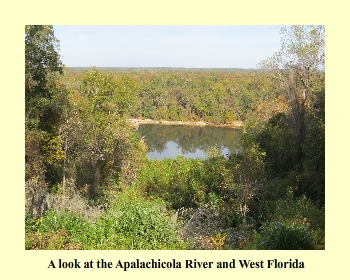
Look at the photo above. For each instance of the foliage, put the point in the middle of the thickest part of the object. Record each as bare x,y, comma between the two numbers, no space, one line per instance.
215,96
131,223
313,172
296,68
298,211
291,218
212,153
144,223
218,240
99,148
279,236
44,96
248,172
51,241
278,141
293,139
176,181
34,159
108,94
42,63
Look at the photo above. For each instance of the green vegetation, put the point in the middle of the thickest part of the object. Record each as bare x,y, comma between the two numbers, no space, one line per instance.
129,223
90,185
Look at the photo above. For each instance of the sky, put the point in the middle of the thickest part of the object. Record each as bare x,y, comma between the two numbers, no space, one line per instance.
227,46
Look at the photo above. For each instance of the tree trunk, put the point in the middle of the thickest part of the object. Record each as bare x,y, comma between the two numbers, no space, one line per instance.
64,168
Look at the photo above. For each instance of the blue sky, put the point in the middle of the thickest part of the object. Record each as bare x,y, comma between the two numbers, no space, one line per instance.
230,46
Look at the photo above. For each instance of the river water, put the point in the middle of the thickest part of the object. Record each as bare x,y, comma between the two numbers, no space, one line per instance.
169,141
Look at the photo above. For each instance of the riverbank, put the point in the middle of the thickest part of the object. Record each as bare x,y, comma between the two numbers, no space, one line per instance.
237,124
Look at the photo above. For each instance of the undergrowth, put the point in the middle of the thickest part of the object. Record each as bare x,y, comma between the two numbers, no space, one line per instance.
130,223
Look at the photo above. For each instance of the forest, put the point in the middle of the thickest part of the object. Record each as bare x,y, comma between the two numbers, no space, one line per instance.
89,184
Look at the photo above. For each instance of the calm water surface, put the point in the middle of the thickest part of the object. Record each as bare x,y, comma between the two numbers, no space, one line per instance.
170,141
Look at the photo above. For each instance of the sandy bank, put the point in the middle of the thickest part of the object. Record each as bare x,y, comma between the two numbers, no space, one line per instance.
237,124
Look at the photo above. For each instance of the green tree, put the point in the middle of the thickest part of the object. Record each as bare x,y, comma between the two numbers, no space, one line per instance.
42,64
296,67
294,142
44,96
99,148
109,94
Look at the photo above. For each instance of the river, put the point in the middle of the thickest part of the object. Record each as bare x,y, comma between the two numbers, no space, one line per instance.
169,141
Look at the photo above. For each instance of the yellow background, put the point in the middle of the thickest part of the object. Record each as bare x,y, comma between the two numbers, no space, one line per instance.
20,264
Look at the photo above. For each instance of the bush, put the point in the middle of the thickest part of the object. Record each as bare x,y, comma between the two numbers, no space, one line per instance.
134,223
176,181
292,218
297,211
279,236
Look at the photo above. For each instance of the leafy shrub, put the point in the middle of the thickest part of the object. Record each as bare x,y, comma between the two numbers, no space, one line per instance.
279,236
140,224
176,181
192,183
298,216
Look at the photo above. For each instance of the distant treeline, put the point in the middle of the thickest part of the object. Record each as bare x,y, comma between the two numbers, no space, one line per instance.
210,95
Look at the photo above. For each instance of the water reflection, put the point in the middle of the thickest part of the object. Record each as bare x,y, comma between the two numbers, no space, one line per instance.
189,141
